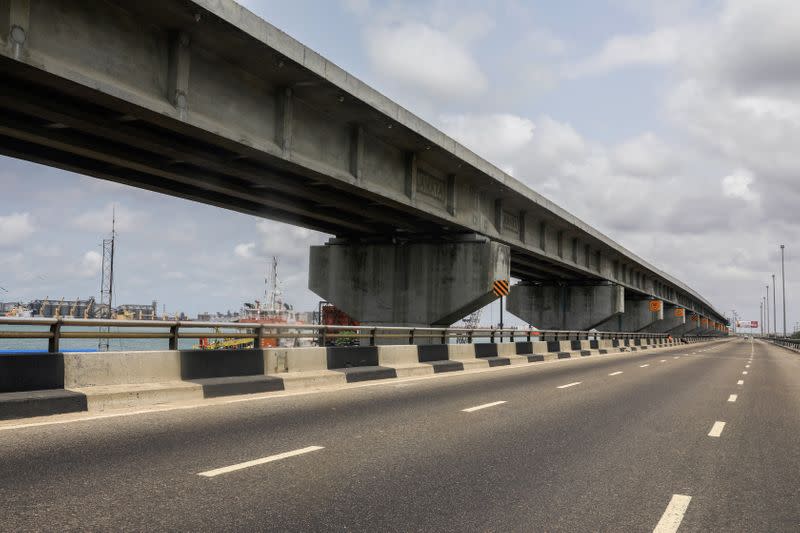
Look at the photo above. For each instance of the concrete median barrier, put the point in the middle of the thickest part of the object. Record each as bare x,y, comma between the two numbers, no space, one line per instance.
404,360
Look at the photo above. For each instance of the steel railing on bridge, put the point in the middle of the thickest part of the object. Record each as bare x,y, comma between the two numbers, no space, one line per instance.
54,330
786,342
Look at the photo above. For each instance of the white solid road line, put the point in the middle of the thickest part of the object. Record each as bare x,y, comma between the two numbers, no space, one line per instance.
732,397
256,462
716,429
484,406
642,366
569,385
673,515
617,373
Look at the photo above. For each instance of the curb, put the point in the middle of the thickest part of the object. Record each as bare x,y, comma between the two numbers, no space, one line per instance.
14,405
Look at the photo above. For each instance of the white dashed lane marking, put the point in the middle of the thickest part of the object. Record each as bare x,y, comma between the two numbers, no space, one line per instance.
256,462
740,382
732,397
642,366
617,373
569,385
482,406
673,515
716,429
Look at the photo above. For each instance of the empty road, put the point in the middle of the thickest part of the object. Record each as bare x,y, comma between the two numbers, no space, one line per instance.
700,437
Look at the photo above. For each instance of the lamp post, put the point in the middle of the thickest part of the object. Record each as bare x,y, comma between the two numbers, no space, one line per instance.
761,314
774,309
783,284
766,309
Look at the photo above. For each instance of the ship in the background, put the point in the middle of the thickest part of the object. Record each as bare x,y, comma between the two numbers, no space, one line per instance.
271,310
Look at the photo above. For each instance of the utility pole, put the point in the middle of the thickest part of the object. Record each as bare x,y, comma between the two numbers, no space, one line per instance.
783,284
774,309
766,309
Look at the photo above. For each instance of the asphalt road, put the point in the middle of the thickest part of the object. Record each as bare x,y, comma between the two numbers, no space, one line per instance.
598,444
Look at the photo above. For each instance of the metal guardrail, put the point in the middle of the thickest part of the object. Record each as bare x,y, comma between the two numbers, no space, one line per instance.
786,342
323,335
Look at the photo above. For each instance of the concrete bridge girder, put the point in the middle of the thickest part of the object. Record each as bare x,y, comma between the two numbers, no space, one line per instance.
201,99
409,284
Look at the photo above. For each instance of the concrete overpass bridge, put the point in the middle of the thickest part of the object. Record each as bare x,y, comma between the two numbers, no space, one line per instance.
203,100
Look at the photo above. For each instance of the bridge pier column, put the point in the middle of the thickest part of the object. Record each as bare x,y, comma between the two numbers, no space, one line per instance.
566,307
674,317
409,284
638,316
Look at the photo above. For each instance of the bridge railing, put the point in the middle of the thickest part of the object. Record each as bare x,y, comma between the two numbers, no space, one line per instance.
54,330
786,342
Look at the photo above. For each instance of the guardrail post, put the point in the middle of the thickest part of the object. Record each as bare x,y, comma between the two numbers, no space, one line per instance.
491,336
411,336
259,339
55,340
444,336
173,338
372,336
469,336
529,335
511,336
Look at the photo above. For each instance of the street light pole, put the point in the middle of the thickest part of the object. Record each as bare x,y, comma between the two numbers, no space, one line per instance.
761,314
766,309
783,284
774,309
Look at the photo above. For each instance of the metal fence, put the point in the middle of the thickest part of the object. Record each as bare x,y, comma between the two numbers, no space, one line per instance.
56,329
786,342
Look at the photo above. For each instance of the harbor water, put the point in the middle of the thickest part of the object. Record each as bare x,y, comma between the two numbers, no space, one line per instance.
91,345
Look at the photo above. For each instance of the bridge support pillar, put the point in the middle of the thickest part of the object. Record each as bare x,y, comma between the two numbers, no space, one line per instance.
674,317
638,316
566,307
409,284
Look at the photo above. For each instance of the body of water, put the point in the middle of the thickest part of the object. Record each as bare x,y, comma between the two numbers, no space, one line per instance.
90,345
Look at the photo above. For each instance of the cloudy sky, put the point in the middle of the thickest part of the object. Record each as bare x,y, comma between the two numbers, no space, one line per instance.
673,127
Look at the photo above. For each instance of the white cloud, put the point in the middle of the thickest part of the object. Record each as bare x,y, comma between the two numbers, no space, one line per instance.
90,264
15,228
421,57
645,155
737,185
244,250
493,136
660,47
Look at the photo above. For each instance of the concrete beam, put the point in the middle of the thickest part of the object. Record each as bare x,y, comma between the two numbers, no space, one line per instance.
566,307
413,284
